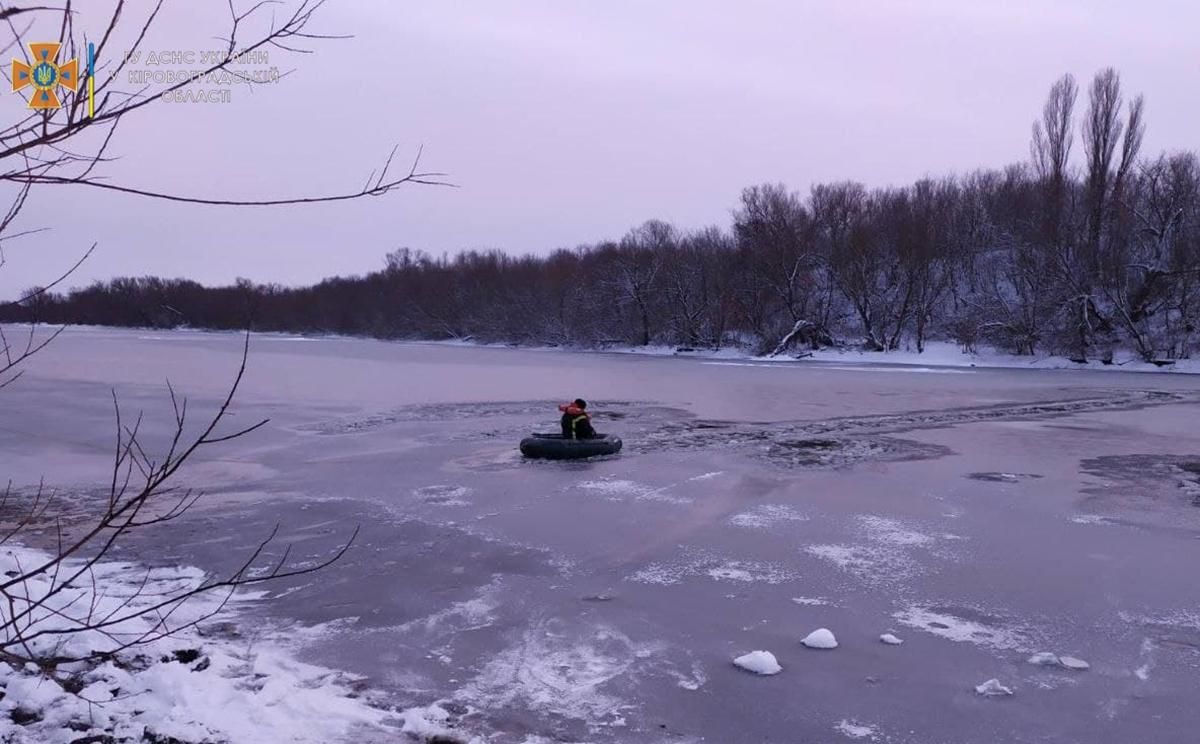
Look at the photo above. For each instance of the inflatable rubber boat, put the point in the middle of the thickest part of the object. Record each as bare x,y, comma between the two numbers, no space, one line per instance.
556,447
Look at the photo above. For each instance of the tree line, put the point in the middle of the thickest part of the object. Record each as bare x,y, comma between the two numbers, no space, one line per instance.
1085,248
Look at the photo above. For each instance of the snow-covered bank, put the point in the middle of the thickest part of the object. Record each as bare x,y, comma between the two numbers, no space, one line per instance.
937,356
208,682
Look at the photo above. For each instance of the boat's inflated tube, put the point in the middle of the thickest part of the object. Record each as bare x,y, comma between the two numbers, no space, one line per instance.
555,447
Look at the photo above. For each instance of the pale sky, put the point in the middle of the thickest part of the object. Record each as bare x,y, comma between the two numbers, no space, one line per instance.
570,122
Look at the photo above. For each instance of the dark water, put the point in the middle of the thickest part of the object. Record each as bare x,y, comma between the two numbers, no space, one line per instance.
980,515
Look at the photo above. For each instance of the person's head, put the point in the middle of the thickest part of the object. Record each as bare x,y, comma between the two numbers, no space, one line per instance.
580,403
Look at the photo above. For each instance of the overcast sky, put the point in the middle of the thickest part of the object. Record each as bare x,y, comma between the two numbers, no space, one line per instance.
570,122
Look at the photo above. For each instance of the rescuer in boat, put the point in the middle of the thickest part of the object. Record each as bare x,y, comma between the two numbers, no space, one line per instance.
576,423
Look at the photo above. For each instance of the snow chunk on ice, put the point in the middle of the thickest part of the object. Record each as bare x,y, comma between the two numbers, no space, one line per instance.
1043,658
890,639
855,730
992,688
810,601
759,662
1074,664
820,638
426,723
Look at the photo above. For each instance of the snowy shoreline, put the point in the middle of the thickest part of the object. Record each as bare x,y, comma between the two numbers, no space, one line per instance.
938,355
218,680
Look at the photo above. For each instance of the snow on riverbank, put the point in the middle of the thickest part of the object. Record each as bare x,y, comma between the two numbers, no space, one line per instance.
941,356
938,356
204,683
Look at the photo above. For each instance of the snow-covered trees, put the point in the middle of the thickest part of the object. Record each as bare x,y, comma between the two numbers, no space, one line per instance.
1086,247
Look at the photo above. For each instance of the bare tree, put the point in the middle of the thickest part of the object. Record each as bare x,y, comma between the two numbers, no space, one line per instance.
1151,281
636,273
779,232
927,253
696,288
1105,178
1102,127
70,146
1052,135
1051,146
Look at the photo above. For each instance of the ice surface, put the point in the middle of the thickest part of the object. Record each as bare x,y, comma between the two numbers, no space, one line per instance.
759,662
693,681
767,515
443,495
417,583
553,671
821,638
892,531
891,551
715,568
619,489
963,630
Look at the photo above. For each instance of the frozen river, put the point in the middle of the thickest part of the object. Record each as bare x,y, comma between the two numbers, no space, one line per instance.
979,515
